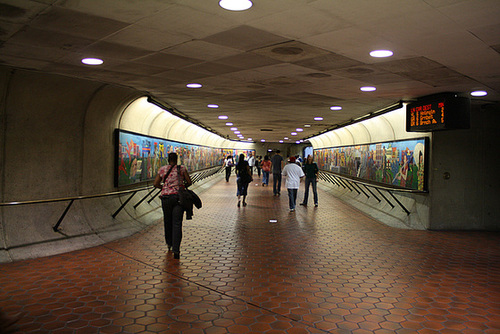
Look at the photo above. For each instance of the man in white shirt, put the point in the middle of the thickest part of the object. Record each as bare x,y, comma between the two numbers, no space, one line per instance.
293,174
251,162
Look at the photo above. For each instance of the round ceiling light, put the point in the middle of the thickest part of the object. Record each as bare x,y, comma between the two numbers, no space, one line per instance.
235,5
318,118
212,106
479,93
381,53
194,85
92,61
229,124
223,117
368,89
335,108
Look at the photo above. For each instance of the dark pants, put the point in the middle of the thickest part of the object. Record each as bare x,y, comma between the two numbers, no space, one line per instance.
172,219
311,181
228,173
292,198
277,183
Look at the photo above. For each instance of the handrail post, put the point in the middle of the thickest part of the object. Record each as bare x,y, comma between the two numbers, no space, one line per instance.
142,200
392,205
123,205
56,226
400,204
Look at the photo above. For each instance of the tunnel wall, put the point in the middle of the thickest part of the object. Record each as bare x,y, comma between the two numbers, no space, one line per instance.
57,141
466,200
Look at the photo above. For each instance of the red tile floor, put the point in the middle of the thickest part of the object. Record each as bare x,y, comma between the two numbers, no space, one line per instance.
329,269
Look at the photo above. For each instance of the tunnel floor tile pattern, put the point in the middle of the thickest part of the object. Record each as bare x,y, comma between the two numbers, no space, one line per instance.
264,269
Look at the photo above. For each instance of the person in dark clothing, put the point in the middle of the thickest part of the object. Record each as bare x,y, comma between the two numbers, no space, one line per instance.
277,161
244,177
169,180
311,170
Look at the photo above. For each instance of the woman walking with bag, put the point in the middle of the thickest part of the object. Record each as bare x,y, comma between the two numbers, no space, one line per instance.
244,177
170,179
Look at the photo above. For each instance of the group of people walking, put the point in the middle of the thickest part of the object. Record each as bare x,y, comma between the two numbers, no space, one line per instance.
172,179
275,165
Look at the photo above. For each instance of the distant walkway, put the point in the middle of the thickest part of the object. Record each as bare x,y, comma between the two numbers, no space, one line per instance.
262,269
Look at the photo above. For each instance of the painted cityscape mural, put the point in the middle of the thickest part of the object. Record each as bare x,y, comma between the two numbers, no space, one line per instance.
399,163
139,156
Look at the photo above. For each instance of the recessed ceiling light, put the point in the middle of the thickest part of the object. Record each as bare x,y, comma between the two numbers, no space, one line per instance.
297,142
212,106
233,129
307,125
223,117
381,53
293,133
286,138
92,61
479,93
318,118
335,108
235,5
194,85
249,139
299,129
263,140
281,141
237,132
368,89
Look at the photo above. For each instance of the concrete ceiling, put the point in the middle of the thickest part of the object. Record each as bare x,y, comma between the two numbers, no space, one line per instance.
274,67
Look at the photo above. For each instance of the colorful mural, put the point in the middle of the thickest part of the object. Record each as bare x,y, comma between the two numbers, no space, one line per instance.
399,163
139,157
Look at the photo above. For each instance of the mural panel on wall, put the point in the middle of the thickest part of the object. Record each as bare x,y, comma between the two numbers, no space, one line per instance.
399,163
139,156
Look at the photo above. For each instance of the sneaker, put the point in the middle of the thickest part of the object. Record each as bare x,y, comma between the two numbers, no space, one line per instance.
316,204
292,210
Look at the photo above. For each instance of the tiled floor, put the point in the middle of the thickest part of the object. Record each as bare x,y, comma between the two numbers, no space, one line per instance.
329,269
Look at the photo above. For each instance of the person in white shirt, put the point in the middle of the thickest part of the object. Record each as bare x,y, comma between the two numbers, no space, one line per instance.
293,174
251,162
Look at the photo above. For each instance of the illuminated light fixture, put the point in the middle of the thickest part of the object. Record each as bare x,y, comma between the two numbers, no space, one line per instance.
212,106
92,61
235,5
307,125
229,124
335,108
297,142
479,93
234,129
237,132
368,89
293,133
194,85
318,118
250,139
381,53
281,141
223,117
299,129
286,138
263,140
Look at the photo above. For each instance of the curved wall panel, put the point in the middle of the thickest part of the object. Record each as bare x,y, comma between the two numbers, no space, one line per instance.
148,119
387,127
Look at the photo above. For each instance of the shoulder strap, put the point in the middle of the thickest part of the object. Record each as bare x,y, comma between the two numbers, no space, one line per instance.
168,173
181,184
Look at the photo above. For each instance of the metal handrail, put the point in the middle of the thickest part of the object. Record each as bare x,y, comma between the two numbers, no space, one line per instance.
196,176
344,181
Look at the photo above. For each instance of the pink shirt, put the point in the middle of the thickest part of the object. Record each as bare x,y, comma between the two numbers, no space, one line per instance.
171,184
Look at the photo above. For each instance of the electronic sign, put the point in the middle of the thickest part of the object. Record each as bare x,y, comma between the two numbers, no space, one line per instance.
438,112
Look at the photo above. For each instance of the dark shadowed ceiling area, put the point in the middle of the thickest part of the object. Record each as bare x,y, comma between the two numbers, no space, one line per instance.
270,69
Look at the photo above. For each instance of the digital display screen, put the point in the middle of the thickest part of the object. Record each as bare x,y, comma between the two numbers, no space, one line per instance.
438,112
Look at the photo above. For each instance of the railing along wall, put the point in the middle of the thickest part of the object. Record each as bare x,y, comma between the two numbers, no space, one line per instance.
368,189
195,177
